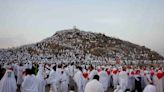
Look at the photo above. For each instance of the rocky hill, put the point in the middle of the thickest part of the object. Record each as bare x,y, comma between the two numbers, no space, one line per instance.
76,45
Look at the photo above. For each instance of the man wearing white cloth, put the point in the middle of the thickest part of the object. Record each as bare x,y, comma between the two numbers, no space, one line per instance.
94,85
92,72
8,82
159,81
104,79
150,88
118,89
30,83
123,79
59,71
78,78
64,82
41,81
53,80
20,68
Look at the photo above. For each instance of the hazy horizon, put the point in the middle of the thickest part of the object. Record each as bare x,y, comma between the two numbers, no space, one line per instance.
28,21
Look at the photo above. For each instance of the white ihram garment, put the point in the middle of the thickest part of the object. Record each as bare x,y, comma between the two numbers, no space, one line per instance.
123,80
159,84
30,84
78,78
94,86
53,80
41,81
64,82
149,88
104,79
8,82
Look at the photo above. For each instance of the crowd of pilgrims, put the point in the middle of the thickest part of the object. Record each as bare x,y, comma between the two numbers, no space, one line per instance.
35,77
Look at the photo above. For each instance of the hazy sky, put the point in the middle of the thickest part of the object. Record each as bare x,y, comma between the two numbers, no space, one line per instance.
29,21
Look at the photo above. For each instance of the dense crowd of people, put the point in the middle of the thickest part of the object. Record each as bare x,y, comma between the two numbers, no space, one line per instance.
31,68
65,77
76,45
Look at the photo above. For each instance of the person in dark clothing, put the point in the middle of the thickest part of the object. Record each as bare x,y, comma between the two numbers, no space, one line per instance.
138,85
2,72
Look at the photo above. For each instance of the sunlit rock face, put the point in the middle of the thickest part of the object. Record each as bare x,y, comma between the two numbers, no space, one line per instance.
74,45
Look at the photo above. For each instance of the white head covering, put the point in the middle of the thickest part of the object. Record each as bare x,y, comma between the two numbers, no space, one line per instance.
8,82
